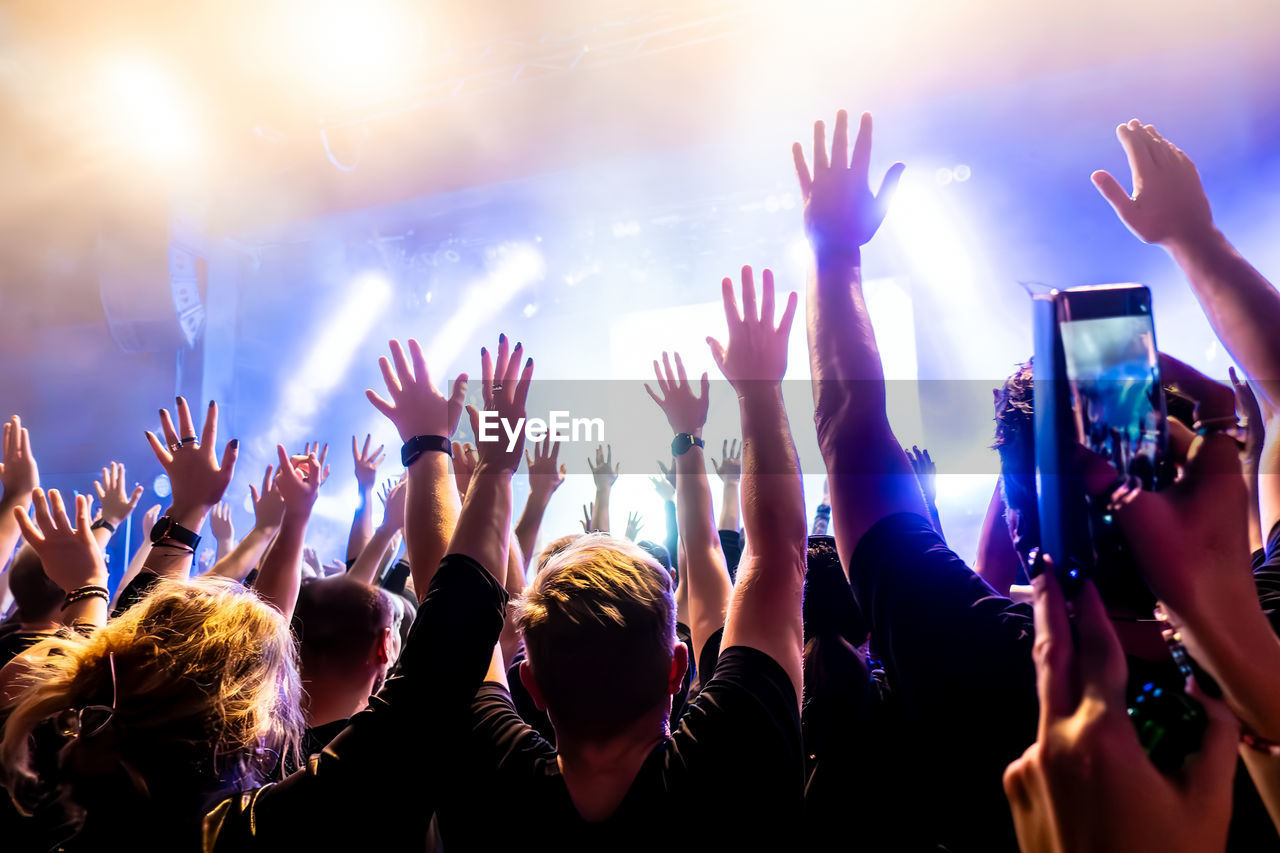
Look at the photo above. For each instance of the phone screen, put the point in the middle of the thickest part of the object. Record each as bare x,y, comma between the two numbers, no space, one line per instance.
1113,373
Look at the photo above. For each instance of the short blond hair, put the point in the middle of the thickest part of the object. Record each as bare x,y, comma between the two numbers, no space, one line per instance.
599,627
207,692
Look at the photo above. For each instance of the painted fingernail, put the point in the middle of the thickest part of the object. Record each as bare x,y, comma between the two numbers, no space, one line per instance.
529,363
235,444
519,345
484,351
502,338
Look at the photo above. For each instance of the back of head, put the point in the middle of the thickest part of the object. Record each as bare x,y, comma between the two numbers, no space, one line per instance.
554,547
1015,441
338,621
203,683
599,627
38,598
829,606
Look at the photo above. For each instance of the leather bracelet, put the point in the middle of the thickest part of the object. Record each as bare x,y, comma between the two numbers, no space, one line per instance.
103,523
420,444
77,595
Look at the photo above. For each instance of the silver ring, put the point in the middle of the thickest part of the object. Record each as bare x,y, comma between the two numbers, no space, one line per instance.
191,440
496,387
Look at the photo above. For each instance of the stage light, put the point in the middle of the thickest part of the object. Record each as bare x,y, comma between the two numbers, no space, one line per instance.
143,110
961,173
530,309
512,267
325,365
346,48
161,485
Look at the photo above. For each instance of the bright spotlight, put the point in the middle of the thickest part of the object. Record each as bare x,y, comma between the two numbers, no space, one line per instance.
143,110
162,486
335,345
349,47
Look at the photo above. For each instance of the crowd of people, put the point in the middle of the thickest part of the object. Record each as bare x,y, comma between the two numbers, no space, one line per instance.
756,681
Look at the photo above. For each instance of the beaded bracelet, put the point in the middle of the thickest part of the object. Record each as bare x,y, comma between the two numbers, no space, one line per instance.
84,592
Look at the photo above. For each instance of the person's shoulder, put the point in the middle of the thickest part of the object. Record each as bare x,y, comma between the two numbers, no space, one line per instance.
749,689
901,535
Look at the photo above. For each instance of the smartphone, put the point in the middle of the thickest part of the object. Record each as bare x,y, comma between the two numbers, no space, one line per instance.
1097,387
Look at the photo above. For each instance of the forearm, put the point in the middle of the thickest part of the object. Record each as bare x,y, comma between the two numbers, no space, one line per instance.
1257,537
240,560
1265,772
281,577
131,571
1241,305
431,514
174,561
673,533
483,525
600,509
530,522
10,533
361,524
509,640
365,568
1242,653
766,610
703,566
997,561
729,511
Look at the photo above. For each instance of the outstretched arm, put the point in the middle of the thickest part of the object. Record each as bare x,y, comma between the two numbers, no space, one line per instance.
299,479
19,476
418,409
729,470
870,477
605,474
703,562
268,510
366,465
365,568
199,481
1168,207
545,476
764,612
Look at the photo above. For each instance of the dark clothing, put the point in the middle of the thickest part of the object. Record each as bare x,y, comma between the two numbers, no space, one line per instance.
1266,574
708,657
314,740
372,768
135,591
958,661
16,641
735,754
731,545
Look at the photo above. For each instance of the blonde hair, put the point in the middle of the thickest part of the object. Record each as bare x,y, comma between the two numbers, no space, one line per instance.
207,695
599,626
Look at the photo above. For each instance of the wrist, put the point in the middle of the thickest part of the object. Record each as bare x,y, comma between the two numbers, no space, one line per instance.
190,516
1196,241
490,468
297,514
838,259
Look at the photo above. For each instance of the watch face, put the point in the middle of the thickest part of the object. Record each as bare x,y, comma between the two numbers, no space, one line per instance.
681,443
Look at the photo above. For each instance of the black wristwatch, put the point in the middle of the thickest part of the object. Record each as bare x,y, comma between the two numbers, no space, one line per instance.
420,444
166,528
683,442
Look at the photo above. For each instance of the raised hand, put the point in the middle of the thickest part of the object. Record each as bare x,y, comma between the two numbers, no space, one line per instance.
1168,203
587,511
662,485
757,350
926,472
18,472
1086,784
223,529
268,504
199,481
685,411
393,504
544,474
729,468
603,470
366,463
117,505
464,465
311,560
505,390
321,453
298,481
69,554
416,407
634,525
840,213
149,519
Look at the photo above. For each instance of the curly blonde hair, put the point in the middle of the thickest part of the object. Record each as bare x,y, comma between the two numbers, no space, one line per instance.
207,697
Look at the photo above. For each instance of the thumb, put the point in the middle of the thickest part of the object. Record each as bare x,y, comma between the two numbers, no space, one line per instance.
717,353
229,457
888,187
135,497
473,417
1112,192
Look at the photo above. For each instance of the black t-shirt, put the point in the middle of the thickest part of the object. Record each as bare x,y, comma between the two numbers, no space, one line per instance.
958,660
732,767
135,591
376,784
